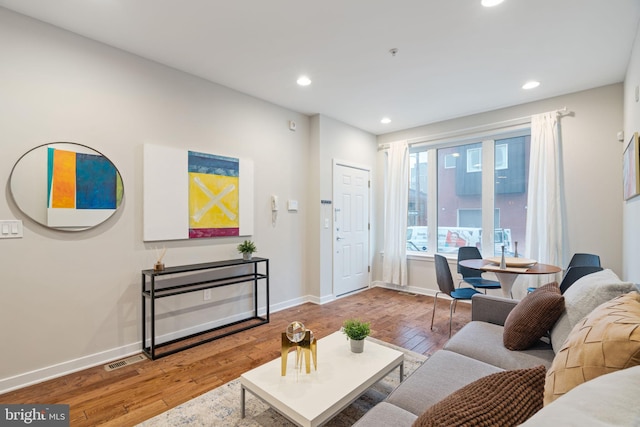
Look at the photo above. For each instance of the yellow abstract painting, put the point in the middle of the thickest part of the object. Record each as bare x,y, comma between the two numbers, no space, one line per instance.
214,195
213,201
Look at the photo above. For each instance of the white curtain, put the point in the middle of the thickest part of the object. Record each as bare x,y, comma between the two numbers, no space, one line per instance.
544,204
394,261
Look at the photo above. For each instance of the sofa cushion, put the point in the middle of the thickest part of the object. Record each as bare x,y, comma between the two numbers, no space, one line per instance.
582,297
608,339
385,414
503,398
609,400
442,374
483,341
533,317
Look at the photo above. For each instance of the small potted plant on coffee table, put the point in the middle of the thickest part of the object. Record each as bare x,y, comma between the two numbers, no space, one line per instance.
356,331
247,248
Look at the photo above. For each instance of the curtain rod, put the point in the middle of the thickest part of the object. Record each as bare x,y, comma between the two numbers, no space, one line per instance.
560,112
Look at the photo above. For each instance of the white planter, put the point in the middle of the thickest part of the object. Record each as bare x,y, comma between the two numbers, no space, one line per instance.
357,346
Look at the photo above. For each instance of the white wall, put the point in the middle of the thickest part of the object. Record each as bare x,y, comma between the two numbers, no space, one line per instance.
592,172
334,140
71,300
631,208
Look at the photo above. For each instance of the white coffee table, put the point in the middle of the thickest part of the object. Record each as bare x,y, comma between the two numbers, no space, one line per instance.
312,399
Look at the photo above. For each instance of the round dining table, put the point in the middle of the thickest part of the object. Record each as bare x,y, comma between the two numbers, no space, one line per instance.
508,275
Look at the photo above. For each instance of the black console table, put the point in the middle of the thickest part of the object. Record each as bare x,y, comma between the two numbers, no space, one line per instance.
229,273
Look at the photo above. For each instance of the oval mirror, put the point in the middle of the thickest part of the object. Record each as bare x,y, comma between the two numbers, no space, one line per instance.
66,186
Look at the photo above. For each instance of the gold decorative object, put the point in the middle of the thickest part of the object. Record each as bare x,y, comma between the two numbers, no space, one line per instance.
305,344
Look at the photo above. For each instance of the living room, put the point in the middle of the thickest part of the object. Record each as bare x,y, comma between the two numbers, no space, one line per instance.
74,298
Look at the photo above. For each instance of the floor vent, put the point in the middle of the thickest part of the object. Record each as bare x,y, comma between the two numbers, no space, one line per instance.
124,362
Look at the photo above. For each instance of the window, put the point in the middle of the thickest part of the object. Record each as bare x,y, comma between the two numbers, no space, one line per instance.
418,189
450,160
471,207
459,189
502,156
474,160
510,192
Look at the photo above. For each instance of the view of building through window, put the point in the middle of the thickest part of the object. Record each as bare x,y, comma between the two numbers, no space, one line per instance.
463,190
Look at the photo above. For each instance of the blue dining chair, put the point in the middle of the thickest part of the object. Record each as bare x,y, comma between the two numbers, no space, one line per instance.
445,284
471,275
576,272
590,261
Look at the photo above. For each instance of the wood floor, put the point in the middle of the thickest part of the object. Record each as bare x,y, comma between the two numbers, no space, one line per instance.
134,393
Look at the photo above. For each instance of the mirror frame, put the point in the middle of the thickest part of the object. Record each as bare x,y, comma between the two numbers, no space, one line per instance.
35,203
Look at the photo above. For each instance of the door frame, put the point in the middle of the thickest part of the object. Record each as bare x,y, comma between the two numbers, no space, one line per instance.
366,168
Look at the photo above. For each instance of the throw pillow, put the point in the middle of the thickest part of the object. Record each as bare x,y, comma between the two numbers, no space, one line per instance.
503,398
552,287
607,340
582,297
607,401
532,317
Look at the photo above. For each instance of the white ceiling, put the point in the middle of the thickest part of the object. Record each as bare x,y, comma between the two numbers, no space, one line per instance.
454,58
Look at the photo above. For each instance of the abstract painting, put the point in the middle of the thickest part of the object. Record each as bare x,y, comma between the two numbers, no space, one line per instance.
214,208
81,188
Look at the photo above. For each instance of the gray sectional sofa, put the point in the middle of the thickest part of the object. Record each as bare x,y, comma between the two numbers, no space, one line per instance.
477,350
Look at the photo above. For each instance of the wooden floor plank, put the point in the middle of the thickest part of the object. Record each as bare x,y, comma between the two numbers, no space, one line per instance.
132,394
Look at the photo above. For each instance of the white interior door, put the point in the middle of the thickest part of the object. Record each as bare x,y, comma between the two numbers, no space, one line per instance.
351,229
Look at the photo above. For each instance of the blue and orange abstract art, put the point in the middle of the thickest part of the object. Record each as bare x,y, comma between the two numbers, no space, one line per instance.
82,181
213,195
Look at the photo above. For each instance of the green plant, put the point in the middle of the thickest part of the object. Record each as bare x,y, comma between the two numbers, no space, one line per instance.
355,329
247,247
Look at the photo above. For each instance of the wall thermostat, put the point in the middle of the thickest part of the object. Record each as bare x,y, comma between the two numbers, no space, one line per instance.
292,125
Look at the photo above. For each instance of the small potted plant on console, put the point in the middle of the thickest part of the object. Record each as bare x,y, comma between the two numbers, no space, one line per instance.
247,248
356,331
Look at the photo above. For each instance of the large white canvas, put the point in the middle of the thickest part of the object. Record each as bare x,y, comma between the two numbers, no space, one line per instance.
166,194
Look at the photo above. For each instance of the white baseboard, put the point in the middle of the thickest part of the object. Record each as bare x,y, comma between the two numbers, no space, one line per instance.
68,367
410,289
321,300
102,358
107,356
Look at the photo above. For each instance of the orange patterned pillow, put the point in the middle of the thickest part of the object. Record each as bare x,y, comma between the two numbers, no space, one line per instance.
532,317
505,398
606,340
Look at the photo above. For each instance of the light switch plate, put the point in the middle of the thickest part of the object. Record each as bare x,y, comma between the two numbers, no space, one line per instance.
11,229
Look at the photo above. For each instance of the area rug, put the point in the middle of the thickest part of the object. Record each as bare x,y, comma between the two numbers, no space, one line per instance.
221,406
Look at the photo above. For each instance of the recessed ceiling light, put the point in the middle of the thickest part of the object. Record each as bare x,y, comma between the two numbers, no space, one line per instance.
303,81
531,84
385,120
491,3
